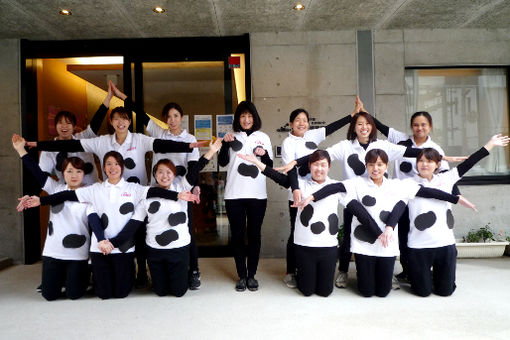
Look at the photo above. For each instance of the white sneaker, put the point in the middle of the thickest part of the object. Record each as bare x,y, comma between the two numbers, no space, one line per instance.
394,283
290,280
341,280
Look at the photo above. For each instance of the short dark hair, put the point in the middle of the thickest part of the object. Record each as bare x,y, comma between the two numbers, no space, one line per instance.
76,162
168,107
372,155
246,106
430,154
166,162
421,113
296,112
122,112
351,133
318,155
67,115
118,158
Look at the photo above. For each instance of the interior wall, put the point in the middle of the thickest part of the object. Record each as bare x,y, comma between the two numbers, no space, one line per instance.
11,226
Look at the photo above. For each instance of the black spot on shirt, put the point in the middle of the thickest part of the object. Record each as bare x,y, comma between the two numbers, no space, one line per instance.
356,165
104,221
248,170
317,227
311,145
154,207
61,156
127,245
88,168
333,224
364,234
129,163
384,215
450,221
166,237
55,209
133,179
180,170
425,220
407,143
406,167
306,215
177,218
126,208
74,241
50,228
368,201
236,145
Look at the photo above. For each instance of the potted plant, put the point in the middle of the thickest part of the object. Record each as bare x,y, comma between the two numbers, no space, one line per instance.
482,242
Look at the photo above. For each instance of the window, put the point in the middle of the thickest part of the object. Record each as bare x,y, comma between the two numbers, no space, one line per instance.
468,106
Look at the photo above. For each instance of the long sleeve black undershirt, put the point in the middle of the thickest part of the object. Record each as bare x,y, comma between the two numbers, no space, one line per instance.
364,217
70,195
337,125
127,233
293,178
223,156
97,119
40,176
396,213
437,194
466,165
194,168
277,177
385,130
328,190
96,226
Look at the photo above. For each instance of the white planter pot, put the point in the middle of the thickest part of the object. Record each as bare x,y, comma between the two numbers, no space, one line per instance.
479,250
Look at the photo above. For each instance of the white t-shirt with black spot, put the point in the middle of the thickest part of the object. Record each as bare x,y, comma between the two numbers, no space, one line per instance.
294,147
167,225
317,223
430,220
352,155
48,160
244,180
133,151
115,204
179,159
379,202
405,167
68,236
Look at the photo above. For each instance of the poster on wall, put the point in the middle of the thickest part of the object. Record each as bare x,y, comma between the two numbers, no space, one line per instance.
223,125
203,127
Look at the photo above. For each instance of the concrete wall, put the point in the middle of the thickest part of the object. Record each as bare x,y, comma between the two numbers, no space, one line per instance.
11,227
317,71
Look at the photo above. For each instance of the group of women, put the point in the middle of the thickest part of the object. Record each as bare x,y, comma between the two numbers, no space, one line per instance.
120,207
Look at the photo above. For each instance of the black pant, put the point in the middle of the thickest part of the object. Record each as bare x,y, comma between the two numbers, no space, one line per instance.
315,269
169,270
56,273
403,233
442,260
113,274
193,249
344,252
246,214
374,274
291,254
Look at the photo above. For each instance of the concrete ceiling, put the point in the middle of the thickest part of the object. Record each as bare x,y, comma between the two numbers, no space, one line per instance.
101,19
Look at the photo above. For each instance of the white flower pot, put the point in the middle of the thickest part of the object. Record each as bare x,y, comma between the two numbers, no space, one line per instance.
479,250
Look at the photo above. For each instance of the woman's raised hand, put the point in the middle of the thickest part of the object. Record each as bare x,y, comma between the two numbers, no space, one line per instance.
229,137
18,143
287,167
497,140
116,91
249,157
454,159
187,196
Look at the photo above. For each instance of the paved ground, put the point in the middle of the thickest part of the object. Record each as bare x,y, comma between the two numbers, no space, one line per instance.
479,309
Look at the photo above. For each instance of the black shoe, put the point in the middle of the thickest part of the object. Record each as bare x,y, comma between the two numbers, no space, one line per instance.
194,280
241,285
39,288
253,285
402,277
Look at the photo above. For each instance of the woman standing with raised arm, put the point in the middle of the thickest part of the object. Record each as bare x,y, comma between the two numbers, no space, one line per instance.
172,114
245,191
385,200
168,237
114,201
301,142
66,249
431,241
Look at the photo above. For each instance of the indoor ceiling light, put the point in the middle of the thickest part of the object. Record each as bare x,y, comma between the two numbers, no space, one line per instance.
299,7
65,12
159,9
